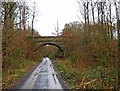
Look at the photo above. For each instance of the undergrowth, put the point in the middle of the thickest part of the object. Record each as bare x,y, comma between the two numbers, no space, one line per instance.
94,76
18,56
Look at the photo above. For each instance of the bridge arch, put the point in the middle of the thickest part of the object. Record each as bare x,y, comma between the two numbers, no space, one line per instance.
53,44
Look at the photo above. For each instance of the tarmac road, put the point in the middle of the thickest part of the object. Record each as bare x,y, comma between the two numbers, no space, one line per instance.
43,77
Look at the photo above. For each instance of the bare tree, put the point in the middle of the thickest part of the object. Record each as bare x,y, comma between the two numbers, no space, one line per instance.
117,9
93,4
118,20
87,11
57,31
9,8
84,4
33,17
118,24
20,16
110,20
23,16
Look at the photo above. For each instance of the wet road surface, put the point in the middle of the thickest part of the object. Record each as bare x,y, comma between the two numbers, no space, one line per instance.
43,77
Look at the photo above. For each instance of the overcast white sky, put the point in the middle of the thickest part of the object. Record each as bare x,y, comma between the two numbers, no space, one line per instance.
50,10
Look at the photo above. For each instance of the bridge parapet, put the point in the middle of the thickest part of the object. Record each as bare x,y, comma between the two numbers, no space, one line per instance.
49,38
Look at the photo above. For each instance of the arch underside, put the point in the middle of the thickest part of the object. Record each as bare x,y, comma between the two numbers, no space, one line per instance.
53,44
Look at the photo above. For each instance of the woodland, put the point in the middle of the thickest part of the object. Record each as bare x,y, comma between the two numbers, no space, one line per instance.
92,53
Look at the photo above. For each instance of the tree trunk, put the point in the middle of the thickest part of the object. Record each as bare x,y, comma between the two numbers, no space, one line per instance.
93,17
23,17
118,50
87,9
118,32
111,34
98,8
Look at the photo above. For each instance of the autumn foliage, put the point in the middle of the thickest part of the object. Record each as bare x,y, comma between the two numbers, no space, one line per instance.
92,54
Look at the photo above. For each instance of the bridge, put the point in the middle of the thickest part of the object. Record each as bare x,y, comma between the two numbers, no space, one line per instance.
57,41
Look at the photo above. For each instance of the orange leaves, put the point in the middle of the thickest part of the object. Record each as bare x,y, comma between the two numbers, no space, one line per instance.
66,33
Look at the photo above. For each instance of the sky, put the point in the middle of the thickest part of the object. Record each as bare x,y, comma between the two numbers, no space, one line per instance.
49,11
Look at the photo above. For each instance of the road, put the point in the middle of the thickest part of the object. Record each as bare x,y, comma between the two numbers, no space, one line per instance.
43,77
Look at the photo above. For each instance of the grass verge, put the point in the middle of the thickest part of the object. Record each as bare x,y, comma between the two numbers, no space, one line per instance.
16,71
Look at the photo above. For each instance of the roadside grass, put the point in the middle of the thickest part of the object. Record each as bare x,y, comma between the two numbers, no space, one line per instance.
16,71
86,76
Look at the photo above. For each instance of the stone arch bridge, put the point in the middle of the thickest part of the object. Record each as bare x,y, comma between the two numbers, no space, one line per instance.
57,41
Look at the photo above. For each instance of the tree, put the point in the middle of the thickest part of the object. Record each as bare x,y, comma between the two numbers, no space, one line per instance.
25,12
8,28
9,8
10,13
57,31
118,32
93,6
33,17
